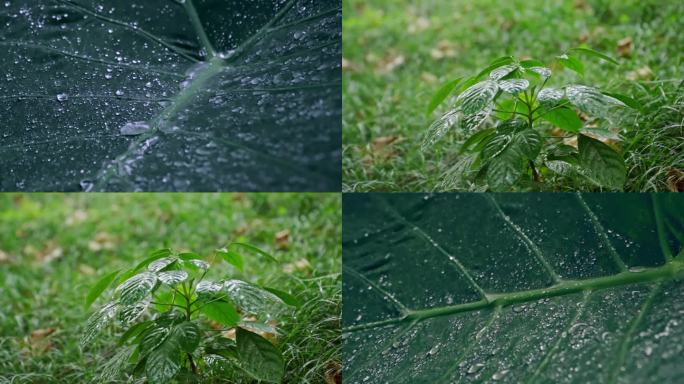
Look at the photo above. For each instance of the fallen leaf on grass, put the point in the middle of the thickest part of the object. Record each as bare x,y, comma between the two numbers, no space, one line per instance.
349,66
443,49
282,239
643,73
624,47
675,180
50,252
78,216
428,77
392,60
86,269
333,373
4,257
38,342
102,241
418,25
298,266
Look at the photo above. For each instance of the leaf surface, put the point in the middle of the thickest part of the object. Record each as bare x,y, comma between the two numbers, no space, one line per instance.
259,357
603,165
190,95
513,288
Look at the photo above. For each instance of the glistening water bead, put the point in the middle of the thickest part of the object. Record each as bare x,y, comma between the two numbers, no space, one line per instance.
135,128
62,97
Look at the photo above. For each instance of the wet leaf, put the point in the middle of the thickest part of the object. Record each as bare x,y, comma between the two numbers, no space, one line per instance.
132,312
171,96
513,86
563,118
222,312
477,97
100,287
252,299
603,165
442,94
136,288
514,288
172,277
259,357
97,321
550,97
439,128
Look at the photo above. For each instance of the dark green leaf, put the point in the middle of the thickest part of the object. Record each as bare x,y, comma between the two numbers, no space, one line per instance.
591,52
563,118
188,336
471,143
187,256
222,312
232,257
176,96
441,94
531,63
134,331
572,63
477,97
602,163
513,288
259,357
628,101
285,297
100,287
253,249
164,362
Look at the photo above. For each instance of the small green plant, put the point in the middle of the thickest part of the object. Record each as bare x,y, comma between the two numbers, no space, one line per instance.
180,325
518,126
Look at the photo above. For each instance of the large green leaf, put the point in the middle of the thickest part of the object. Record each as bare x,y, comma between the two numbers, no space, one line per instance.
222,312
170,95
513,288
510,150
477,97
100,287
259,357
442,93
563,118
601,163
137,288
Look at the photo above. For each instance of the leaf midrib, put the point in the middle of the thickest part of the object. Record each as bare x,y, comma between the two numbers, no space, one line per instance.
669,270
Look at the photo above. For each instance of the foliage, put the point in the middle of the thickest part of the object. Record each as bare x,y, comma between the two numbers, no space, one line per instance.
513,288
187,333
534,124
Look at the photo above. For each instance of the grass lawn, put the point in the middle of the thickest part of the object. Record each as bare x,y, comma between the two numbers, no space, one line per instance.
53,247
397,53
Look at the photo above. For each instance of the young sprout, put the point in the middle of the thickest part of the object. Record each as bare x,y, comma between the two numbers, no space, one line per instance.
177,322
518,125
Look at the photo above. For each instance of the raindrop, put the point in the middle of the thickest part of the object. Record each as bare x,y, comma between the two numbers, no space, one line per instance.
135,128
86,185
500,375
62,97
119,92
637,269
475,368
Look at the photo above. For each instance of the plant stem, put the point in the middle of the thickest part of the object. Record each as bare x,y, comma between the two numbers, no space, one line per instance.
192,363
535,174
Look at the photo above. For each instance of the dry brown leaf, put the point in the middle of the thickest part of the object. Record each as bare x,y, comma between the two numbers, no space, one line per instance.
229,334
349,66
675,180
333,373
51,252
443,49
418,25
643,73
624,47
4,257
101,241
282,239
86,269
298,266
392,60
78,216
428,77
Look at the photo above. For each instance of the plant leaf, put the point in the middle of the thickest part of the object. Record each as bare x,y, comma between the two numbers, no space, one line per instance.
603,165
117,365
572,63
543,71
591,52
164,362
253,249
252,299
137,288
100,287
162,263
172,277
473,122
471,143
259,357
222,312
628,101
550,97
132,312
442,93
232,257
134,331
590,100
477,97
439,128
176,96
285,297
513,288
513,86
563,118
188,336
503,71
97,321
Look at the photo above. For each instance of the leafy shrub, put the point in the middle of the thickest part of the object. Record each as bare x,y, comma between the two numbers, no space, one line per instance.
517,125
191,317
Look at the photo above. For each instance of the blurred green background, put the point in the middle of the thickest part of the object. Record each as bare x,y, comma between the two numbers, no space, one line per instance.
397,53
54,246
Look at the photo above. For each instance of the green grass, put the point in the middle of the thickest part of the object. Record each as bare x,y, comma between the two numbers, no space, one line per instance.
393,67
50,257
